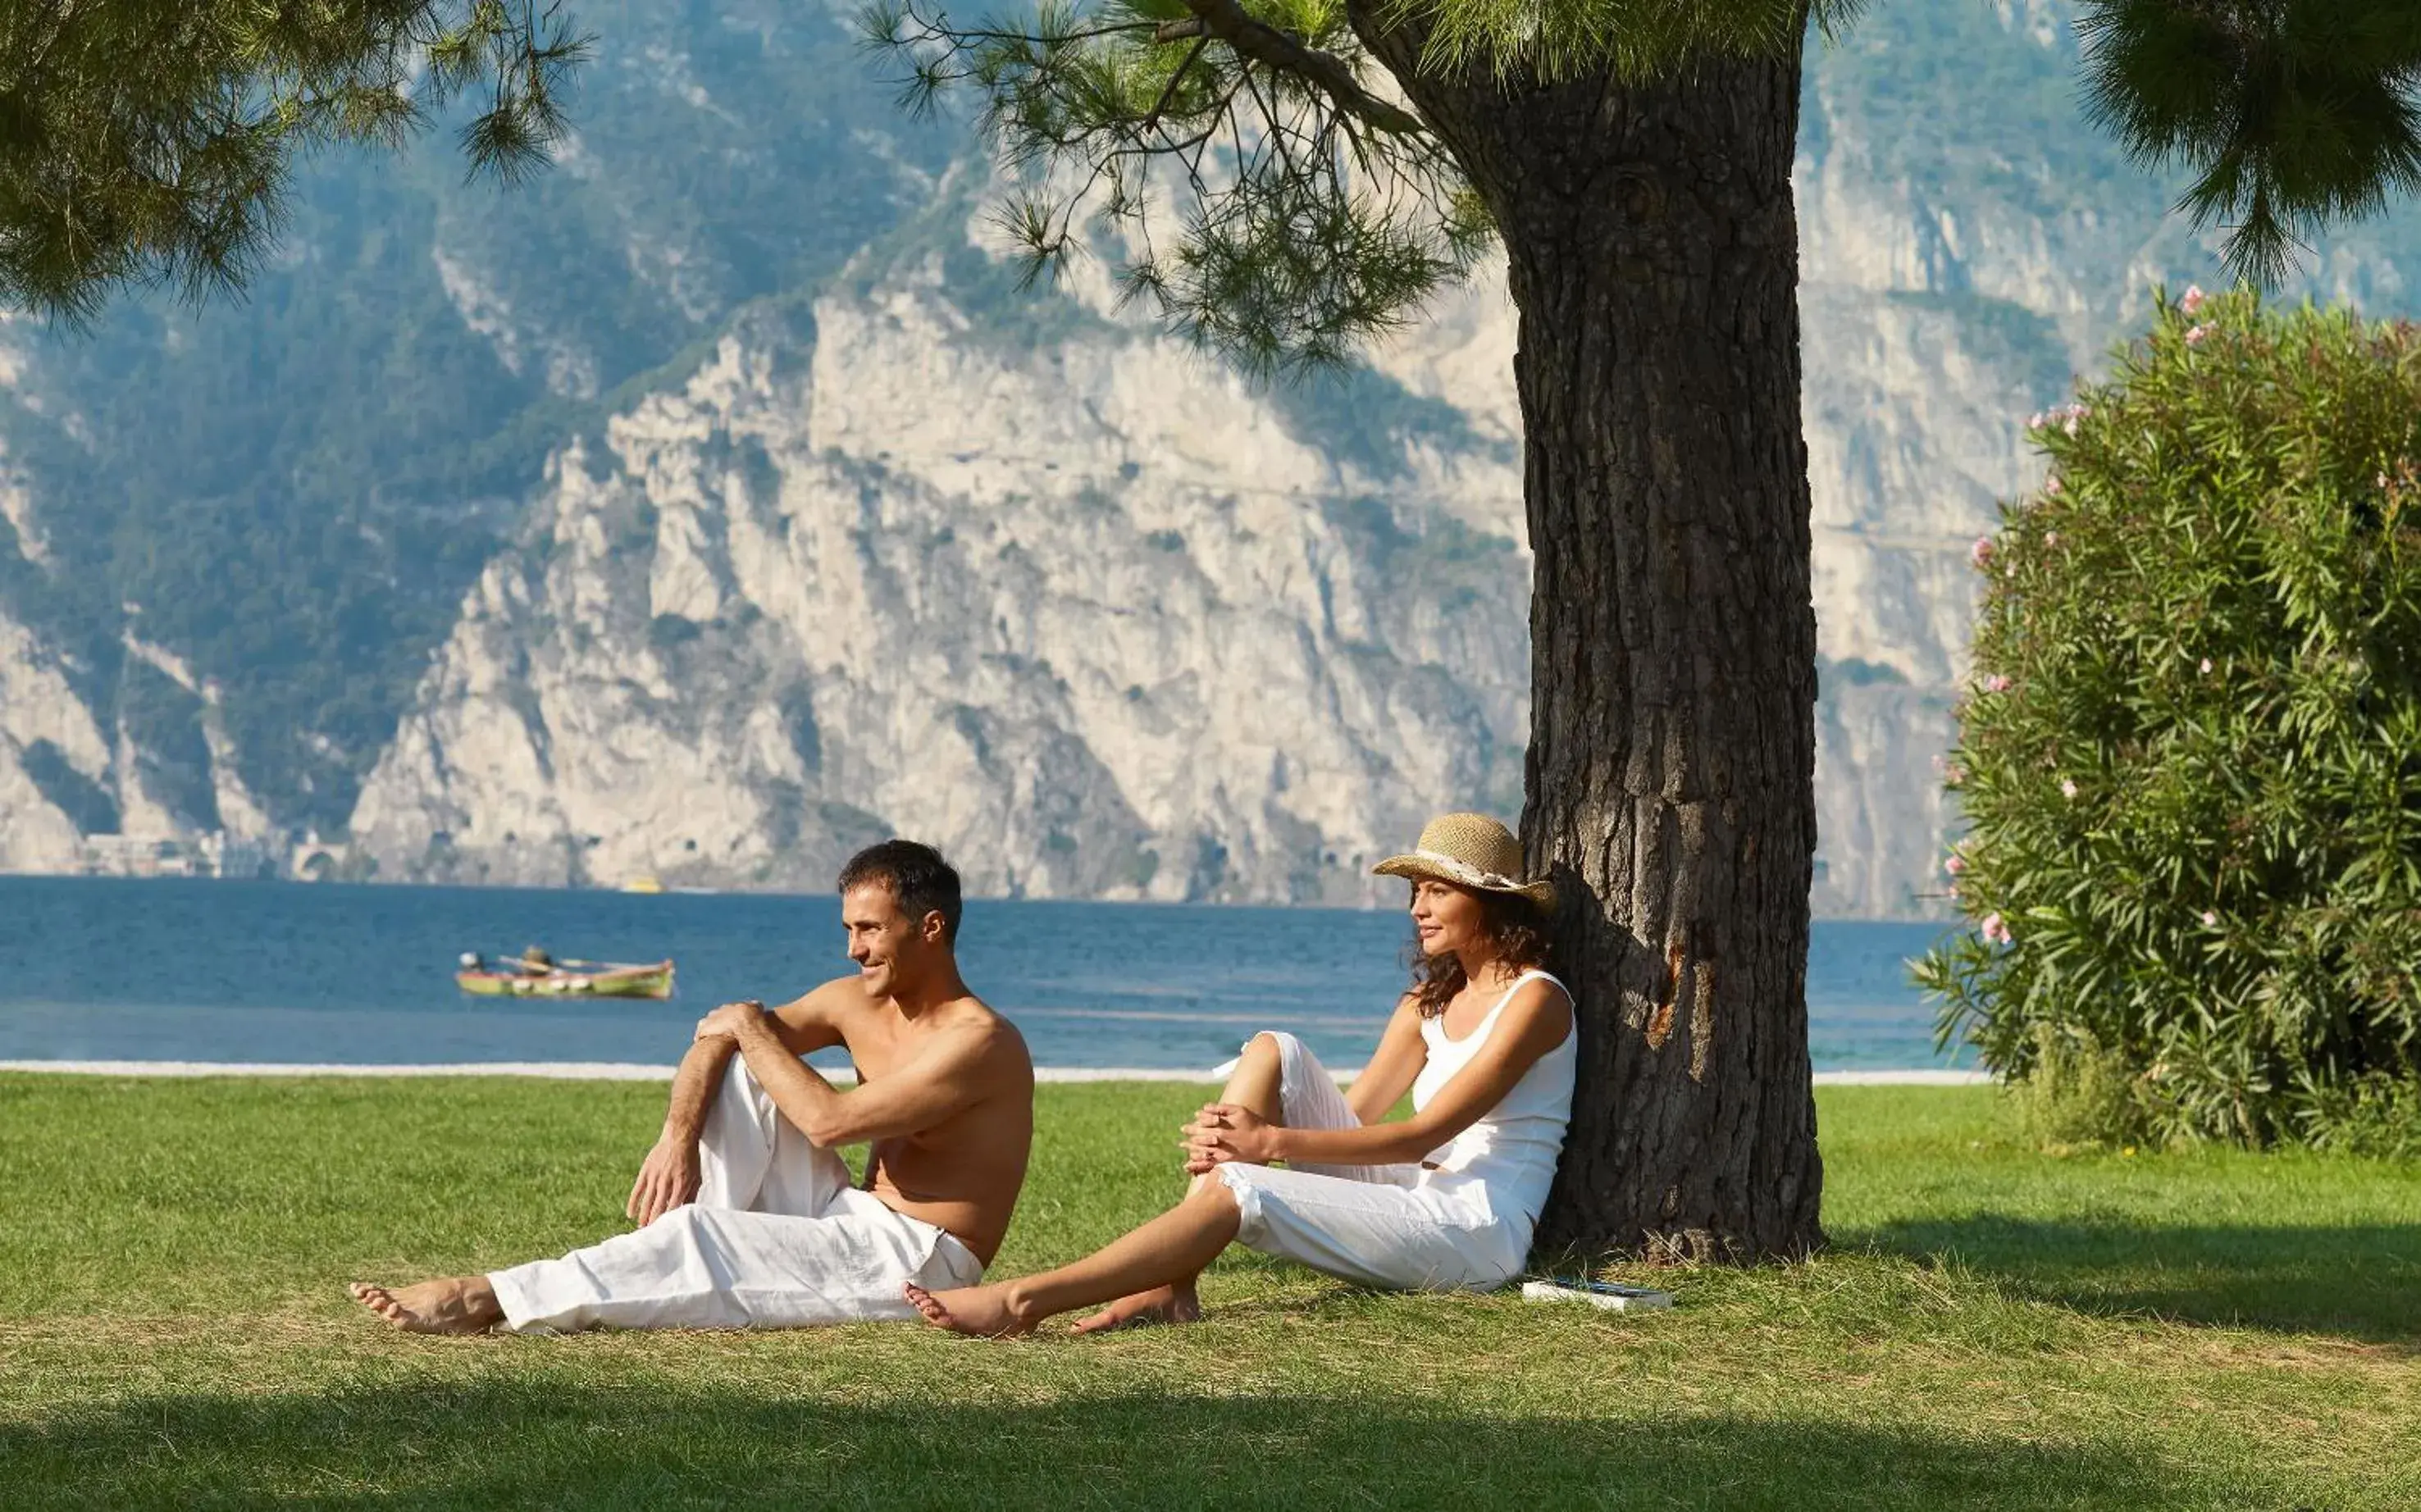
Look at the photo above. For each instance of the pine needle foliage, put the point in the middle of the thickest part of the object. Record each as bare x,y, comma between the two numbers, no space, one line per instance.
1260,182
1257,190
1253,171
1638,41
1312,210
149,142
2192,753
2293,114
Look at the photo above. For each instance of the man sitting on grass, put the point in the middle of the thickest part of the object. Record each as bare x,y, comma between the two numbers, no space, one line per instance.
747,1218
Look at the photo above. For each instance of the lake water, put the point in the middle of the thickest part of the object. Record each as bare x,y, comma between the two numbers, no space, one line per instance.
100,969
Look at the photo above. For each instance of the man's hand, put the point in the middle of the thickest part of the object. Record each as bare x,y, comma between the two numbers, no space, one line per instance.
727,1021
1224,1131
667,1179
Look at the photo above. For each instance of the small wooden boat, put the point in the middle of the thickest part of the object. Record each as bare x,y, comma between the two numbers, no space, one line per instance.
572,979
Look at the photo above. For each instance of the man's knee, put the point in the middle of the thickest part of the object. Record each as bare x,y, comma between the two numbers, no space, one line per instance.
740,1092
738,1109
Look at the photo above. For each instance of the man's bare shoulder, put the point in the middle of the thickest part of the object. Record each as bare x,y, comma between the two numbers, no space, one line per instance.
829,1000
823,1017
979,1032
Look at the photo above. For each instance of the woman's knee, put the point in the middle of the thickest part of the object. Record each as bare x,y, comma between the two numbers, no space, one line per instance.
1272,1045
1214,1196
1263,1074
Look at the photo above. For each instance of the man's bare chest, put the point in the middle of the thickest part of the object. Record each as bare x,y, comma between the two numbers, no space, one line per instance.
878,1050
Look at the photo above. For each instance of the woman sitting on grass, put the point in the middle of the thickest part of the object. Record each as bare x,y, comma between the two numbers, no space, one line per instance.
1443,1200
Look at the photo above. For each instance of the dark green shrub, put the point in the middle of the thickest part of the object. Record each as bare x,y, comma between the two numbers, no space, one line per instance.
2192,752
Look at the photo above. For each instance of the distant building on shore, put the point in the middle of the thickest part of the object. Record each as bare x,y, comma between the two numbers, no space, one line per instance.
314,860
214,853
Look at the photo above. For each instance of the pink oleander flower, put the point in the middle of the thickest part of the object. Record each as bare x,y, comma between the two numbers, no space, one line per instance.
2036,420
2051,538
2069,425
1954,889
2068,788
2052,484
1997,683
1957,775
2210,919
1993,930
2195,336
2192,302
1981,551
2206,667
1956,865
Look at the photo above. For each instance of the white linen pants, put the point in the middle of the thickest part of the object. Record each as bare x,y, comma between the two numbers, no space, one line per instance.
777,1238
1398,1226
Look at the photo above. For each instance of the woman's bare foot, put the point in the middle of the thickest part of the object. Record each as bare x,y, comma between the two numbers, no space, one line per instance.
982,1312
1161,1304
458,1305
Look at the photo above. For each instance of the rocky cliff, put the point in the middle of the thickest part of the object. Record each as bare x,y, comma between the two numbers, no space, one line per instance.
1086,613
894,547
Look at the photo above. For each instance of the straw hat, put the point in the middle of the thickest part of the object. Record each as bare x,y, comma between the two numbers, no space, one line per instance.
1469,851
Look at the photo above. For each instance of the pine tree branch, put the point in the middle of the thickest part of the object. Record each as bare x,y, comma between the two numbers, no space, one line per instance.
1228,20
1168,92
1306,205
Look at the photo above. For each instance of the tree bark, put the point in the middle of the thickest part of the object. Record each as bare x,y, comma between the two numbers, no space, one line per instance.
1653,257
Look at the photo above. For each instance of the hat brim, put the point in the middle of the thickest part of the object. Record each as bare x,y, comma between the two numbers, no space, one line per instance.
1445,869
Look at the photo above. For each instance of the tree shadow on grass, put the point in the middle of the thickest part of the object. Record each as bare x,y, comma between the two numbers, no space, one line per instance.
558,1443
2360,1280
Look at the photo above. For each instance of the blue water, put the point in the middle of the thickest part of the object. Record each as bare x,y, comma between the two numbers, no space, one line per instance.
211,971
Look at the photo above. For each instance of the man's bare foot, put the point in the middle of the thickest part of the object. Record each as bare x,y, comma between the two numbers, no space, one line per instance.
458,1305
982,1312
1161,1304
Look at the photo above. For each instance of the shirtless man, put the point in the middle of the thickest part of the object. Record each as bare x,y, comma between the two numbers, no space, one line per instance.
746,1217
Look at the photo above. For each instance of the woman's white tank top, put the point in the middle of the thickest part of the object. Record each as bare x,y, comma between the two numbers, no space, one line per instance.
1512,1147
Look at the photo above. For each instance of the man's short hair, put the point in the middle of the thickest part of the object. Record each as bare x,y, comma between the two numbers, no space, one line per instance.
920,881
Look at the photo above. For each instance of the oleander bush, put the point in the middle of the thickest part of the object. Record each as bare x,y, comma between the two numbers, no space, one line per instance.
2190,755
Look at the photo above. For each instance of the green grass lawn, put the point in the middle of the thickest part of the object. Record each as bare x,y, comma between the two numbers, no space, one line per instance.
1990,1327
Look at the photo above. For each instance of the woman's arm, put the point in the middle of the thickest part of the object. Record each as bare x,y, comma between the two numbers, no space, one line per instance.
1534,1023
1393,1065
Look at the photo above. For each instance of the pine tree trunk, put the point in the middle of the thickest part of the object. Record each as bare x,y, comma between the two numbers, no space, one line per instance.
1653,253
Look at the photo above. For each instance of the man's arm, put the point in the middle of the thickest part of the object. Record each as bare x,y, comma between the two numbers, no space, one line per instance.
694,1084
669,1176
945,1078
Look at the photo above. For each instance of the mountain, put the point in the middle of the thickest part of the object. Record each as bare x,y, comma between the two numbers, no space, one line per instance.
719,501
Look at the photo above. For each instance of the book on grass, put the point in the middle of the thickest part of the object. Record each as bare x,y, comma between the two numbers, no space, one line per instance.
1609,1295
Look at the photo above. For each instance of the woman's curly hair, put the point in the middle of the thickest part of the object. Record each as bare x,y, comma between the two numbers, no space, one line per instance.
1517,933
